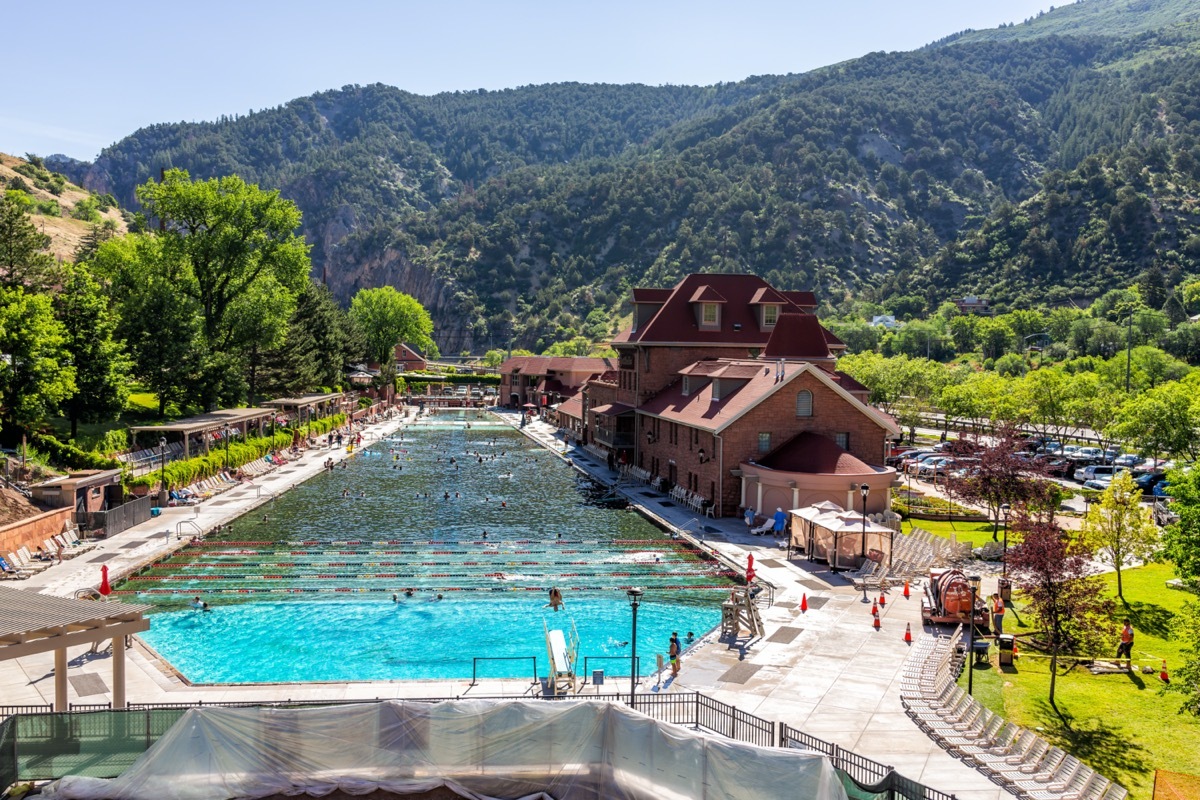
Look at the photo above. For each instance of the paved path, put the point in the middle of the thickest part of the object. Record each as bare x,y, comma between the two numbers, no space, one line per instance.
825,671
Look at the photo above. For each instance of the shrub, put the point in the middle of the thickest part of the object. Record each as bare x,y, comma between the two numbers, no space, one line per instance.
111,441
50,208
71,457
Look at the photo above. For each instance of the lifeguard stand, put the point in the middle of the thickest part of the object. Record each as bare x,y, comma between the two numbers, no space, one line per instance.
739,613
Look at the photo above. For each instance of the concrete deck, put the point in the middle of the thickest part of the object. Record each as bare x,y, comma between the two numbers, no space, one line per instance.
826,671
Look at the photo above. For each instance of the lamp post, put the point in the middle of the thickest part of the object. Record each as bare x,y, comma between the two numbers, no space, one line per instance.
635,595
162,451
1004,509
974,581
864,490
228,432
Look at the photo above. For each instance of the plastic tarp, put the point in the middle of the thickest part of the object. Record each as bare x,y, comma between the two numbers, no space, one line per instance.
477,749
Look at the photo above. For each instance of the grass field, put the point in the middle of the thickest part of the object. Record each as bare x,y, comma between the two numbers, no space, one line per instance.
1123,725
977,533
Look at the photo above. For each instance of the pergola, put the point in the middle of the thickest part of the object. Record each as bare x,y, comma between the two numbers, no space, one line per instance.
213,421
308,406
32,623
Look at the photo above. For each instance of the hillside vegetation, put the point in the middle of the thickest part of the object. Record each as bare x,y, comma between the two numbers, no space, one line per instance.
1062,164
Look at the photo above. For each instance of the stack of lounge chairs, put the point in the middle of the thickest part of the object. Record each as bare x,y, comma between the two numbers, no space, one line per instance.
636,473
871,575
1018,759
914,553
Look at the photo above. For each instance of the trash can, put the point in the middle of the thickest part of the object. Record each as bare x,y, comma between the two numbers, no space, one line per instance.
1005,643
980,648
1006,590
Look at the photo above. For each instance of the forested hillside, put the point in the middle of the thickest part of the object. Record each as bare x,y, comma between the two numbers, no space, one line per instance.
1048,161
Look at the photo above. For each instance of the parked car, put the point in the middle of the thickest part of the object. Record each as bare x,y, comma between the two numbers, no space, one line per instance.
1092,455
1055,466
914,464
1162,489
895,458
1051,448
1127,460
1094,471
1147,481
1112,454
932,467
1069,450
1099,484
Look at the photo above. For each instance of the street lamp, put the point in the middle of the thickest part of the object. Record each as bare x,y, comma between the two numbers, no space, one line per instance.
864,490
162,450
974,581
1004,509
228,432
635,595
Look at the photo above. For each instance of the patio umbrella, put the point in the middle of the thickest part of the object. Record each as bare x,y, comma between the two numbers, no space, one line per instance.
750,568
529,405
105,588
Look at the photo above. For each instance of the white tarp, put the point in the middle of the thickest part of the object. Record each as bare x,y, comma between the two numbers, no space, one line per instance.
478,749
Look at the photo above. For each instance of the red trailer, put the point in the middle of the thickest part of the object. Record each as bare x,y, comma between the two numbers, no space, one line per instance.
947,599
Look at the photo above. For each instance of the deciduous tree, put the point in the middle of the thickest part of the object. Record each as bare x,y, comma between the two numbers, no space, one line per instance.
998,476
386,318
1119,527
35,376
1065,599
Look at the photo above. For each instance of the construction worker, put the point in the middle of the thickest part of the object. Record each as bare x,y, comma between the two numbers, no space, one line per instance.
997,613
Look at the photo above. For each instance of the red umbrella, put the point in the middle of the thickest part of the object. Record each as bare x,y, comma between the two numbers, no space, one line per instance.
749,568
105,589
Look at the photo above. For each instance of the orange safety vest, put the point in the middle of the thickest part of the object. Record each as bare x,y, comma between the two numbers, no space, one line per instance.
1126,635
997,605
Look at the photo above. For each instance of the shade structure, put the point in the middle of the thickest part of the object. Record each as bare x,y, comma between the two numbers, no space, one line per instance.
841,537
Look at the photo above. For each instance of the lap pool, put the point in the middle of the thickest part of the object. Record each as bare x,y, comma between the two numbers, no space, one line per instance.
458,505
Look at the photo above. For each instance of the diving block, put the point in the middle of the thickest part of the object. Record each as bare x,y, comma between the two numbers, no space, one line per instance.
562,672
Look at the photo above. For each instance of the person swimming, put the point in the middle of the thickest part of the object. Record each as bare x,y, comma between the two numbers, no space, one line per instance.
556,599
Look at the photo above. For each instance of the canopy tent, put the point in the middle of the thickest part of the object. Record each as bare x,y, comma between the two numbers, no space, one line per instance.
843,539
476,748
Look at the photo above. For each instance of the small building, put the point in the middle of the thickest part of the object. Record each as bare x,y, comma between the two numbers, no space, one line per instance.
409,360
885,321
86,491
973,305
547,380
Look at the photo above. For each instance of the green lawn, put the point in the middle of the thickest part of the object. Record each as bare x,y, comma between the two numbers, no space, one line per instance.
977,533
140,409
1123,725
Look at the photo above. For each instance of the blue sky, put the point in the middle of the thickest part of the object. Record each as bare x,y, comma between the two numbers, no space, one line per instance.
80,75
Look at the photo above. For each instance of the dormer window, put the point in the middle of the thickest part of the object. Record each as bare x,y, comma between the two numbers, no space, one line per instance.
770,315
710,315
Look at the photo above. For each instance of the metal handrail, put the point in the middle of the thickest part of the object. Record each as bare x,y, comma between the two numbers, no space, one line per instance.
475,665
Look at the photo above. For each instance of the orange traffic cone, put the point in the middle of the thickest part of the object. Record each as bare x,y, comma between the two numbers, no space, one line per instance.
882,600
908,633
1015,653
874,608
876,622
804,602
906,588
1163,674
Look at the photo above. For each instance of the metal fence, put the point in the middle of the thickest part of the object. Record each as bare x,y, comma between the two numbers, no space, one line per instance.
36,744
118,518
869,777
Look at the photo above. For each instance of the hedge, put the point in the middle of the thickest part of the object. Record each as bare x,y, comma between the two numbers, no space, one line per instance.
70,456
186,472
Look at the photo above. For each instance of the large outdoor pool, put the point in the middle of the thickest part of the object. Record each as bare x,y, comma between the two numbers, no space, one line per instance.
302,588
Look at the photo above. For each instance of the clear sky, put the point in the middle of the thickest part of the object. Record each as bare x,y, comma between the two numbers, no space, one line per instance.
78,76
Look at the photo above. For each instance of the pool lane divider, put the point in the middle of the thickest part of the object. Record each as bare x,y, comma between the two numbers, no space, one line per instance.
424,590
393,575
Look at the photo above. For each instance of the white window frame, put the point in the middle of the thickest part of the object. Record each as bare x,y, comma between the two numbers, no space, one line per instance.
802,410
773,310
715,322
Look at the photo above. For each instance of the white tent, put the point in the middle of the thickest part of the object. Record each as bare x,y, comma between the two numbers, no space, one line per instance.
840,537
527,749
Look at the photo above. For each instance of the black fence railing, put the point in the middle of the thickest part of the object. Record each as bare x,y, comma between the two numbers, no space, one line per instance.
867,774
92,740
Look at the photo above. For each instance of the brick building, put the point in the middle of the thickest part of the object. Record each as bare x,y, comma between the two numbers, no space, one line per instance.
720,372
546,380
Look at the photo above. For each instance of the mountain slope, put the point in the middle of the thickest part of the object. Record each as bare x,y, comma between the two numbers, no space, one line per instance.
515,215
1112,18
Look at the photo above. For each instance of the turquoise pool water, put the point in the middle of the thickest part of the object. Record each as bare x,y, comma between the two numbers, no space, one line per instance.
301,589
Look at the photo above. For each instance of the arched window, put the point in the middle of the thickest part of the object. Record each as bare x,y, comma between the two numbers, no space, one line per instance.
804,403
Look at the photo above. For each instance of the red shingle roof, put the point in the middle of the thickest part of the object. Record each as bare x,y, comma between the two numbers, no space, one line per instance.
651,295
831,339
698,409
572,407
541,365
813,454
848,383
798,336
676,320
767,295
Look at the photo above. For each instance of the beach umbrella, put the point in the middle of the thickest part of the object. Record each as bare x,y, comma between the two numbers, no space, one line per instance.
750,568
105,589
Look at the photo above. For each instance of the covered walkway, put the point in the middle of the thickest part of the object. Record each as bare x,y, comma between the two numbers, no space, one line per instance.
206,426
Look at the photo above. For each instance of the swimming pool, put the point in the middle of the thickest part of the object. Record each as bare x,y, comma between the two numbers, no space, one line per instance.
458,505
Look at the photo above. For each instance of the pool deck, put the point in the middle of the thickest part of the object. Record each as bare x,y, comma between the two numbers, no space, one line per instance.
825,671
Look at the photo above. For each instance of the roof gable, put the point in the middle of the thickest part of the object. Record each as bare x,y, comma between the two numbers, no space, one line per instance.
797,336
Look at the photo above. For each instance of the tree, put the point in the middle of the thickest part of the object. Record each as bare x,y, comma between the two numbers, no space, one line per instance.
1161,420
1186,678
1064,598
242,262
1181,539
24,261
1120,527
999,476
102,368
35,377
386,318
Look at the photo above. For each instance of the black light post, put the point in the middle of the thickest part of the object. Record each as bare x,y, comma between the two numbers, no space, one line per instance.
162,450
974,581
1004,509
864,490
228,432
635,595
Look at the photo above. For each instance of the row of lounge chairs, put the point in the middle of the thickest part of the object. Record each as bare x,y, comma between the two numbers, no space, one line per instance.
1020,760
202,490
914,553
695,502
636,473
137,458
